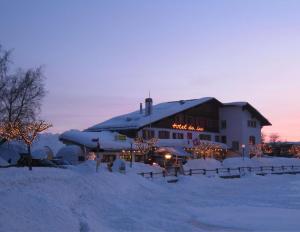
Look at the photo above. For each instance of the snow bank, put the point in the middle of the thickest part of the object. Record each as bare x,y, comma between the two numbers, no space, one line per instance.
3,162
47,140
258,162
79,199
10,152
236,162
70,153
202,164
43,153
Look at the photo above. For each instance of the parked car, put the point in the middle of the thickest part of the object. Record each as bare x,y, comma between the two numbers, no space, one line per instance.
25,160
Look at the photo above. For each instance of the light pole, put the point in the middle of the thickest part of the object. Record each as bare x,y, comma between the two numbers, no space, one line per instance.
131,158
96,140
243,147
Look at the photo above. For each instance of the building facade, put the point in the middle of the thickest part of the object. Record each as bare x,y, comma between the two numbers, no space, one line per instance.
180,123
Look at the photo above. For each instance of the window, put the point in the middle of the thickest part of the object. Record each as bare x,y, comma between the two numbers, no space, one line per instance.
252,123
177,135
223,124
148,134
224,139
217,138
252,140
205,137
189,135
235,145
163,134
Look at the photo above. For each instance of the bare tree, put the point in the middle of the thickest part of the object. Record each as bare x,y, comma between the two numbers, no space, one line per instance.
4,64
22,96
21,93
274,137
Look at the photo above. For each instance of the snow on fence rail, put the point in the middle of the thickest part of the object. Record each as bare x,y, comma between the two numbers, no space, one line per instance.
228,172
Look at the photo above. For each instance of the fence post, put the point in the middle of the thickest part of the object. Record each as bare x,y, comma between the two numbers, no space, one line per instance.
176,171
228,169
239,170
204,171
249,169
261,169
217,170
164,173
151,174
191,172
292,167
272,169
142,174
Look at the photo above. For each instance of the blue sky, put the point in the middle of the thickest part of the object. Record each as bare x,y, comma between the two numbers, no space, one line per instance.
101,58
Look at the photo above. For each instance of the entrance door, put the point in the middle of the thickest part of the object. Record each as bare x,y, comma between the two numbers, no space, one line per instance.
235,145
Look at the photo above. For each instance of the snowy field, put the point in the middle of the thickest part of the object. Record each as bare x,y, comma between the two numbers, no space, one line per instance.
79,199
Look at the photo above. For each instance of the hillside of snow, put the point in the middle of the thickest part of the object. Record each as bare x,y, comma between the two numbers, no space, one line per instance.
79,199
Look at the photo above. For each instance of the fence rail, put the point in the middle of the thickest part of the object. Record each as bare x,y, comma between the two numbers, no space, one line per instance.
227,172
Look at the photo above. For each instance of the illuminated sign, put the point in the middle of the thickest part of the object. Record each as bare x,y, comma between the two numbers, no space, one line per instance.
186,127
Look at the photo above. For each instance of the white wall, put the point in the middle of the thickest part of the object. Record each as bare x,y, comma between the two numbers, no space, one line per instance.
234,121
237,127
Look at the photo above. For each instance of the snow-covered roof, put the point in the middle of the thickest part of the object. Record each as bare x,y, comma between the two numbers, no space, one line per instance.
108,140
136,120
235,103
252,110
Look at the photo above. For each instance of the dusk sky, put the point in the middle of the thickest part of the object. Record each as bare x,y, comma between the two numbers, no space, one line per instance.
101,58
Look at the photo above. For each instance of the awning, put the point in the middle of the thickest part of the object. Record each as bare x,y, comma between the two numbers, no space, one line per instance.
177,151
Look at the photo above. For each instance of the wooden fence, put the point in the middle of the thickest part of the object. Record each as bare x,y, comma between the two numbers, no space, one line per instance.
227,172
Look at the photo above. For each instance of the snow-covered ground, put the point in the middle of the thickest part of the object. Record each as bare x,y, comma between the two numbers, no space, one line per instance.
79,199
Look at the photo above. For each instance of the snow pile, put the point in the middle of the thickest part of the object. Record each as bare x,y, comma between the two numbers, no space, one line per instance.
3,162
202,164
70,153
10,152
47,140
43,153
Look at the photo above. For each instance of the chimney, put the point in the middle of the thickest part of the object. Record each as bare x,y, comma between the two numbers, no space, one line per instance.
148,106
141,108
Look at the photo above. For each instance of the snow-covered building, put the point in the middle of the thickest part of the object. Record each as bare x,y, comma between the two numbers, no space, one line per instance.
182,123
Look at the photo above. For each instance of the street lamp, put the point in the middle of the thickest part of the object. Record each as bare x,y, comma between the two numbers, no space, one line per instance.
168,156
243,147
131,158
98,160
